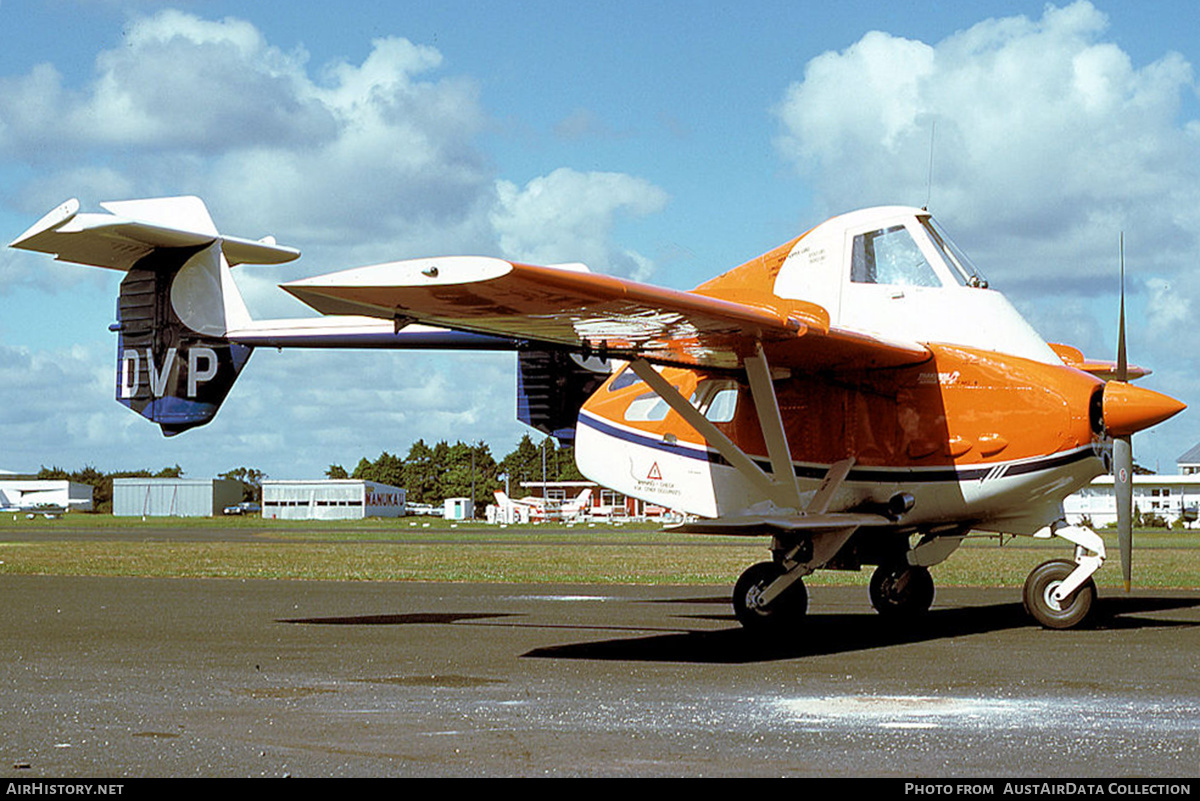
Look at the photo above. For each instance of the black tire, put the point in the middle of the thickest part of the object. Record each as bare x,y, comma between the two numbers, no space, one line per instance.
788,608
1072,612
901,590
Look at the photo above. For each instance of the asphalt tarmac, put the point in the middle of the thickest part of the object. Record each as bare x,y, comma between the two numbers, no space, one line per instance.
113,677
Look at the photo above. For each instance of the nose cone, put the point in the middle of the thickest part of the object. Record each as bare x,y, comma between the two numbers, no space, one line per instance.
1128,408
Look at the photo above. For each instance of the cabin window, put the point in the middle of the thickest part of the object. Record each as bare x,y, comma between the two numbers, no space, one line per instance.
716,400
890,256
647,407
625,378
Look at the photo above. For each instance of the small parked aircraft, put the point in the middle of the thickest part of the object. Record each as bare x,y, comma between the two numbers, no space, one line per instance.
859,394
32,503
534,509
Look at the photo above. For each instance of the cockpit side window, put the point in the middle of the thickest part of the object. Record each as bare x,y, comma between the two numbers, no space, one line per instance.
890,256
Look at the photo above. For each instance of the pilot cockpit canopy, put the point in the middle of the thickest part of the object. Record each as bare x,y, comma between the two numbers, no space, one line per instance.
894,272
892,256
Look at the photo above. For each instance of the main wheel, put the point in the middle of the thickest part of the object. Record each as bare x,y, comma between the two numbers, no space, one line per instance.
901,590
1039,596
788,607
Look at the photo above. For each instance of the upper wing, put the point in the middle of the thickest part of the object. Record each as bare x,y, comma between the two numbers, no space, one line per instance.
585,311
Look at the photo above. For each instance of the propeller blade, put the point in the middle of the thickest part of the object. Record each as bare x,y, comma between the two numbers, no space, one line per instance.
1123,486
1122,364
1123,452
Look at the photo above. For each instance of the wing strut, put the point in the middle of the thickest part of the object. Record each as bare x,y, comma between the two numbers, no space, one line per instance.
724,445
780,486
771,422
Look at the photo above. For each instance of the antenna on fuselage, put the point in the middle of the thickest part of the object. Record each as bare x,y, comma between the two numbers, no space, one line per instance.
929,177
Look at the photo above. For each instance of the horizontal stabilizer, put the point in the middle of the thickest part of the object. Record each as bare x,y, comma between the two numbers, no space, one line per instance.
133,229
1104,370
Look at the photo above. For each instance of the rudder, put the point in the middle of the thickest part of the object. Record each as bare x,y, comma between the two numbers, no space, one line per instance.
167,371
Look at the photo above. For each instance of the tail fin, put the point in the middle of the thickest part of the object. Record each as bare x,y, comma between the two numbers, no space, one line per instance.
551,388
177,301
167,371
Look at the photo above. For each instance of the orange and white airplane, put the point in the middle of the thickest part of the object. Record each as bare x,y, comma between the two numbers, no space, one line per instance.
858,395
534,509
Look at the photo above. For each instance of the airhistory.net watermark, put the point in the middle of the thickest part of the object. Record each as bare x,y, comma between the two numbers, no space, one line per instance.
62,788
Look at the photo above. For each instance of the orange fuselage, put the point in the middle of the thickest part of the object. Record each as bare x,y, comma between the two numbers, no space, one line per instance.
963,407
946,422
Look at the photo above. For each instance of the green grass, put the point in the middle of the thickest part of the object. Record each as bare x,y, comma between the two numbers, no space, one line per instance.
396,550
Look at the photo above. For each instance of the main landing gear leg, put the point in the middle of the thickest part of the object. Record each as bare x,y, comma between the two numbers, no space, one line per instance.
1059,594
901,590
769,597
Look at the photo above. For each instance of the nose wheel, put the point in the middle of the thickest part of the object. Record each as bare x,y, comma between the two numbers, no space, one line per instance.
1042,601
754,612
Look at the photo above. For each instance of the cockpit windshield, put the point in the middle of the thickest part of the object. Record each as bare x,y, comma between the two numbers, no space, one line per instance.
965,272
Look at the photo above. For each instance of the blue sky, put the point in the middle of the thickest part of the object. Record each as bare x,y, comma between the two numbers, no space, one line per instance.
667,141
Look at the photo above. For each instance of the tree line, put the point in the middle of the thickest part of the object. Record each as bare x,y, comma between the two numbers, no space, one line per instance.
429,474
102,483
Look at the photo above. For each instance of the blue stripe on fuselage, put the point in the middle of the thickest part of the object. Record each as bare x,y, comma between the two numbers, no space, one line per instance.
888,474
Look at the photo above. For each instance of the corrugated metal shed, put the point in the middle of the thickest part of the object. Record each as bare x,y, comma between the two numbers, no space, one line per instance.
174,497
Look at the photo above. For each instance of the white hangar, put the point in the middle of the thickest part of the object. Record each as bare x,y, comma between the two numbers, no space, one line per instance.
332,499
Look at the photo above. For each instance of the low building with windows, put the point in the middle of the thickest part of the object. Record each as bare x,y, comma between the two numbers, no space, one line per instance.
1189,463
1171,497
1168,497
332,499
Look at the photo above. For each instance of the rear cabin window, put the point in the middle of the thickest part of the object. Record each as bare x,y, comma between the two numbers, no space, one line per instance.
716,399
890,256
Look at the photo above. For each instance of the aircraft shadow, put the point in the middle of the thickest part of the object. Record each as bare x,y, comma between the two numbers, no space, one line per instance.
823,635
1126,612
414,619
818,635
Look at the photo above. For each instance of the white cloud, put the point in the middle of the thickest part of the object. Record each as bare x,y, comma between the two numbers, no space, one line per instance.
177,82
1168,307
352,162
569,216
54,396
368,151
1048,141
357,163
